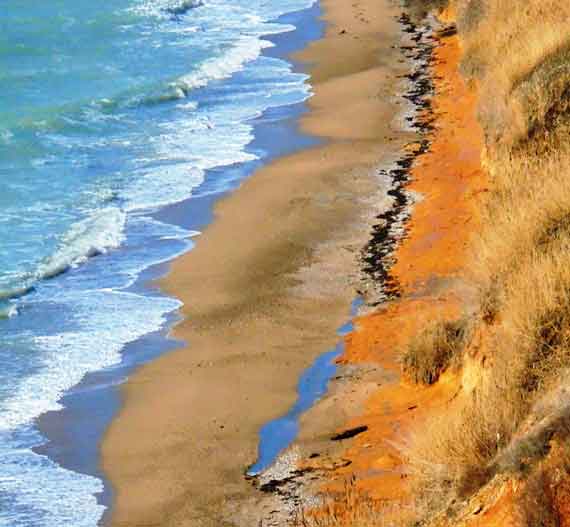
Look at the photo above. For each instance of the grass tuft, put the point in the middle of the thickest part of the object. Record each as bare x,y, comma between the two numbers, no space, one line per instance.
431,352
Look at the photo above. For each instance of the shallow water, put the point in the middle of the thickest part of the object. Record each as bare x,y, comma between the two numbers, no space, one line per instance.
109,112
277,435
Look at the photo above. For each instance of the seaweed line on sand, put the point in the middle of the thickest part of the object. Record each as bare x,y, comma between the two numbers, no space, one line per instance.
285,484
378,254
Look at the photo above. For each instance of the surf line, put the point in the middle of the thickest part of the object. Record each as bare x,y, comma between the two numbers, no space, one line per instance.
278,435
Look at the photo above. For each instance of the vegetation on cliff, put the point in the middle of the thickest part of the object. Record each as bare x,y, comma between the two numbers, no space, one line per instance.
510,420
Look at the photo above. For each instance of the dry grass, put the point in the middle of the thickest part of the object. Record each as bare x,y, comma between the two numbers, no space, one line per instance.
515,49
418,9
450,457
523,269
351,507
528,216
520,54
535,506
470,15
434,350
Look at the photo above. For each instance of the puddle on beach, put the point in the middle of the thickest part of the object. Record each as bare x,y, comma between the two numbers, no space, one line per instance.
277,435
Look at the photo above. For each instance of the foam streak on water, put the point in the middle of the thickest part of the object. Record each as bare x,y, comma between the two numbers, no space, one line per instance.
109,112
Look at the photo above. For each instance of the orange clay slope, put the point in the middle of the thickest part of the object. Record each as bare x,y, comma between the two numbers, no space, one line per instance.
449,182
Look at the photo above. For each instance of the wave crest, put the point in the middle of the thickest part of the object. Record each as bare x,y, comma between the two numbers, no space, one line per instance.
246,50
86,238
94,235
183,7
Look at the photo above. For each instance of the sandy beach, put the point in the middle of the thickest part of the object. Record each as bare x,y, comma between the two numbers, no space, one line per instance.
264,290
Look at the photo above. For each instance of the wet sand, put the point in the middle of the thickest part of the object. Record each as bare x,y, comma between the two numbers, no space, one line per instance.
264,290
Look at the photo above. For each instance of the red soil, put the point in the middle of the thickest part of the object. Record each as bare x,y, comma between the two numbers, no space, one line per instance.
429,264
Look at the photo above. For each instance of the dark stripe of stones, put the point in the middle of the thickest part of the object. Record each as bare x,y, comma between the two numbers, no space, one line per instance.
378,254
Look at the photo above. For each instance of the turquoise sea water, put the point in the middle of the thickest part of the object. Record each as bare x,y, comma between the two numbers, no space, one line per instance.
109,111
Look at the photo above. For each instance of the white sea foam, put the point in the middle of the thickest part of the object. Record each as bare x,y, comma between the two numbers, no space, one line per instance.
166,8
160,230
6,136
102,323
8,311
243,51
181,7
163,186
96,234
16,291
89,237
35,483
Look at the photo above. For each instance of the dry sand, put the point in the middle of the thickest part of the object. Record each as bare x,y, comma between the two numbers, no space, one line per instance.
264,291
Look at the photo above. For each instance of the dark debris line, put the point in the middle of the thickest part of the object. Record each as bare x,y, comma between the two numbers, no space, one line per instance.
378,254
350,433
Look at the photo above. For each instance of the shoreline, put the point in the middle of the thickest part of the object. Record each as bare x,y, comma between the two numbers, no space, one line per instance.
180,470
73,434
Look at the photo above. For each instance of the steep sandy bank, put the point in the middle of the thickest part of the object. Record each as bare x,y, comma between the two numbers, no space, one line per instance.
264,291
429,265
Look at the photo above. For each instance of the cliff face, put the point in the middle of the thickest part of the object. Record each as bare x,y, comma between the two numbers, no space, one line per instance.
472,428
501,457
